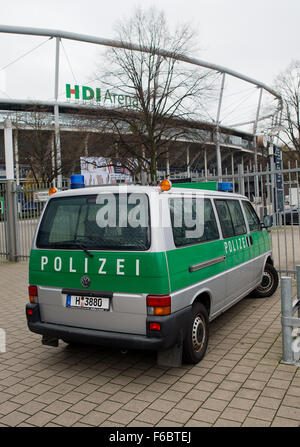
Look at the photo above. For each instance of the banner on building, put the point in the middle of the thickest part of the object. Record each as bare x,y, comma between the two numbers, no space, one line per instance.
102,171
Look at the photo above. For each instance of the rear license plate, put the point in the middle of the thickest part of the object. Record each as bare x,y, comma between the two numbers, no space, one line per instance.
88,302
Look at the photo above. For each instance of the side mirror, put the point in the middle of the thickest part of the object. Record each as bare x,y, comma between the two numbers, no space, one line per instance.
267,222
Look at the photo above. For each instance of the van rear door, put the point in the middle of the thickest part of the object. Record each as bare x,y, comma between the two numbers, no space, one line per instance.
97,247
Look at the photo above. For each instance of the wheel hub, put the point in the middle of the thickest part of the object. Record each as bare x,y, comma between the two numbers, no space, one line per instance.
267,282
198,333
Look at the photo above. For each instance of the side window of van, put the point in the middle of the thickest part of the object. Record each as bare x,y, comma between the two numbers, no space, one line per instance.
252,217
231,217
204,230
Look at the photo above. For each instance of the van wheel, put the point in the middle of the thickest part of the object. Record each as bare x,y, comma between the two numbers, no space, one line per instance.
268,284
196,340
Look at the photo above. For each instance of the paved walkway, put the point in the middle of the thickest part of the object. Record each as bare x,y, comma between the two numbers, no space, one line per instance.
240,382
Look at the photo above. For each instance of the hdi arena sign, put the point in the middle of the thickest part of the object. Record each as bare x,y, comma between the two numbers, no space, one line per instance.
100,96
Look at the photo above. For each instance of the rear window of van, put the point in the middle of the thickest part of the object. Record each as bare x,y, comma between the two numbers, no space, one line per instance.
97,222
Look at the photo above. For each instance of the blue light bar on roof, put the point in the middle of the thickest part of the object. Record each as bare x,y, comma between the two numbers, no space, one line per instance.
77,181
225,186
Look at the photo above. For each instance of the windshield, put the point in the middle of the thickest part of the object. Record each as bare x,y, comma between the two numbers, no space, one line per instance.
96,222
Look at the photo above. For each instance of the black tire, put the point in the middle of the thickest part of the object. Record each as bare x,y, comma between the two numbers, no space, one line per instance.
196,339
269,283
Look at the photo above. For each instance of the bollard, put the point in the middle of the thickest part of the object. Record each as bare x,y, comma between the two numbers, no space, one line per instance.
286,314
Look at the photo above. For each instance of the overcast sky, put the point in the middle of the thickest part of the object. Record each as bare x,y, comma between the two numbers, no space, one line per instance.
257,38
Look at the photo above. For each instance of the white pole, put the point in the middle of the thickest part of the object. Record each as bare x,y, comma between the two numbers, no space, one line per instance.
56,117
9,154
16,145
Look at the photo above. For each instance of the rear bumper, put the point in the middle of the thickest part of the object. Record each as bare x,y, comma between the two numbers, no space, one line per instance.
173,329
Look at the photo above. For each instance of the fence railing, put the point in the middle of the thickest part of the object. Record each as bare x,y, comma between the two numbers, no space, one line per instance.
27,201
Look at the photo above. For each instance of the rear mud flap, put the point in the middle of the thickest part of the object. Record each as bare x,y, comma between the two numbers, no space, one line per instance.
171,357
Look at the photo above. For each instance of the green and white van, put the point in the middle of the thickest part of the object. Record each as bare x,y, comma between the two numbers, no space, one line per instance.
142,267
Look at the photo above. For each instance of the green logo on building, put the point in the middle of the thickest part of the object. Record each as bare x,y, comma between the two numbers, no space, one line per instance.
98,95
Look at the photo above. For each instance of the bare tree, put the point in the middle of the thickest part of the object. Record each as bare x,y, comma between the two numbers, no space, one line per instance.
288,84
36,139
163,93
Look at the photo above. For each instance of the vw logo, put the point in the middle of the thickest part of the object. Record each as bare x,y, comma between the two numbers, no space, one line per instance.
85,281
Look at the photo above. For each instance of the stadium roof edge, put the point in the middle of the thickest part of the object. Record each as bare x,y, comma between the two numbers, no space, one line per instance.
127,45
22,105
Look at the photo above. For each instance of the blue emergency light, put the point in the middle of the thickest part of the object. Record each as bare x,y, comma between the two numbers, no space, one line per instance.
225,186
77,181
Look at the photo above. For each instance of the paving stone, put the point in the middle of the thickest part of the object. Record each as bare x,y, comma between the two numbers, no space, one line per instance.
251,422
83,407
289,412
123,416
178,415
122,397
234,414
263,414
188,404
40,419
206,415
8,407
67,418
13,419
152,416
226,423
148,396
215,404
47,397
32,407
241,403
283,422
110,407
162,405
268,402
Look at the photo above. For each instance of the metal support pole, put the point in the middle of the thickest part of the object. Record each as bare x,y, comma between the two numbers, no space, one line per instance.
11,205
9,154
205,164
12,235
86,146
232,169
53,159
286,312
218,148
16,149
241,179
56,117
168,165
256,188
188,161
144,175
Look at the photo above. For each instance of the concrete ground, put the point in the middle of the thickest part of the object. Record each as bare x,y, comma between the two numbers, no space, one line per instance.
240,382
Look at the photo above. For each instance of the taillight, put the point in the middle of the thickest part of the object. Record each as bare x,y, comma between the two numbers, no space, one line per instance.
154,326
158,304
33,293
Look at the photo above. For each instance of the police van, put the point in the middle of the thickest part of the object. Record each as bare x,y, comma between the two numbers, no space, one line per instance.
144,267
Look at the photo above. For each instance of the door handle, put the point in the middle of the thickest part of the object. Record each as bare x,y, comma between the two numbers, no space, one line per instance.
250,239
